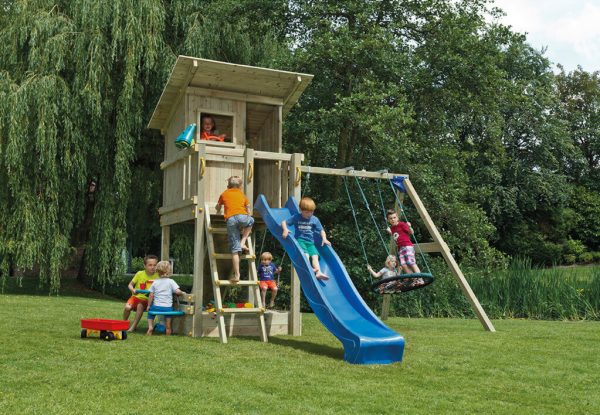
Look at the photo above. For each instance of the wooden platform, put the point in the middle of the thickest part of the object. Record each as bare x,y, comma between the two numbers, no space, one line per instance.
236,325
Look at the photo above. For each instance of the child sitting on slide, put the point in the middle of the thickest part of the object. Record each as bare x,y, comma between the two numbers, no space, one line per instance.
161,296
306,225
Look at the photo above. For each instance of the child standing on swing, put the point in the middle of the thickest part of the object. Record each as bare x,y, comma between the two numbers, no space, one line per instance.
401,232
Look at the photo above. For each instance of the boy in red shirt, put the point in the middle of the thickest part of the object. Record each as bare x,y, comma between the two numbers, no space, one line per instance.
237,216
401,232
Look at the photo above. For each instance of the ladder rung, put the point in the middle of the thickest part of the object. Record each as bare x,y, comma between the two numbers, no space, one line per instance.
242,310
240,282
217,230
228,256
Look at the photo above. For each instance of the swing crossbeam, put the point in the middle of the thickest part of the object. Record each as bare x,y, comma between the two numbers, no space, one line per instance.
351,172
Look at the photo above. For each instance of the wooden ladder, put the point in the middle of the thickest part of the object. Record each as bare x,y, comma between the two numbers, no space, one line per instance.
218,283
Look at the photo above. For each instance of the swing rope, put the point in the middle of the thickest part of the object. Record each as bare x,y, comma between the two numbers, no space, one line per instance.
406,220
362,245
381,201
366,202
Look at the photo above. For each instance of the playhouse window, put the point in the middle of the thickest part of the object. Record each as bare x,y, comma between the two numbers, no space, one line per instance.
222,125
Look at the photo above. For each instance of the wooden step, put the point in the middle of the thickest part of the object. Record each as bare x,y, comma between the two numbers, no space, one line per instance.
240,282
217,230
242,310
228,256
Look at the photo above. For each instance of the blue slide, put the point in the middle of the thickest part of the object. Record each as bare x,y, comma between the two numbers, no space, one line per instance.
335,302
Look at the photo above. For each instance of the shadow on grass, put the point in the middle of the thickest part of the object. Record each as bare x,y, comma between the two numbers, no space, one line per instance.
69,287
305,346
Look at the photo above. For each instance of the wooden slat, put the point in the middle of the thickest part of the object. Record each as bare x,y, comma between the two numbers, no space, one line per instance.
429,247
242,310
182,155
184,203
223,283
270,155
217,230
178,216
259,99
229,256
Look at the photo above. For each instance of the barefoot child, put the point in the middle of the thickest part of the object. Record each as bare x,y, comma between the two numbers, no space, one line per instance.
266,273
306,225
237,216
161,295
401,232
142,280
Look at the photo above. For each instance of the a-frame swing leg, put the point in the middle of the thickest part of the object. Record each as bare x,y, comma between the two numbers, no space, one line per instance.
445,251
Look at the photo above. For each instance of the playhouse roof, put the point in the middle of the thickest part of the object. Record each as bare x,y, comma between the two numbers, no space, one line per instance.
261,85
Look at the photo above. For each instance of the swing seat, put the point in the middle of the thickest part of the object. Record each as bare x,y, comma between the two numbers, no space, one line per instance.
402,283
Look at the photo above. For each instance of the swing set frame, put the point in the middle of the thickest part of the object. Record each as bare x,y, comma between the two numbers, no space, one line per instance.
437,246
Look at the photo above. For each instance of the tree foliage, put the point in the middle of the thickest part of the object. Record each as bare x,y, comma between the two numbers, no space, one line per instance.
504,153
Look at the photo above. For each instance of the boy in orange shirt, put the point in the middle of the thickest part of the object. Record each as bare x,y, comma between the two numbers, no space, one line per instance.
237,216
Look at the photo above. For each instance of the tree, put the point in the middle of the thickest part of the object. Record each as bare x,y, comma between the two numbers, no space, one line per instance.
78,82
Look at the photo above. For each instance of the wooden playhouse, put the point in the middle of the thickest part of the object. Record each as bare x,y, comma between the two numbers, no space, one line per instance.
248,105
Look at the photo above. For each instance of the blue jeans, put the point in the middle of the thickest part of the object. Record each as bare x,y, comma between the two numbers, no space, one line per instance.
234,224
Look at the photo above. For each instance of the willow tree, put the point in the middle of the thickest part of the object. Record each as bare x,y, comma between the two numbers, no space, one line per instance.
78,82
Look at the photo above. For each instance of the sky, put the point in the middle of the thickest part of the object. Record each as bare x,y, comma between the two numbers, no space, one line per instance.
569,29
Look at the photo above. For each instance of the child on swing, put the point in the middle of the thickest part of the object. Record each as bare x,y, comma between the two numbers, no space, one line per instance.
401,232
390,270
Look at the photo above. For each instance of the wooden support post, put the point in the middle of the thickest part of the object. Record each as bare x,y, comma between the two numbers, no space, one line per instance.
458,275
385,306
165,243
295,317
249,192
199,250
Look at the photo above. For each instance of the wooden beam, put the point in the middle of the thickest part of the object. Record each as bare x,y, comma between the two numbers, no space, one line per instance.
180,156
165,243
199,251
350,173
178,216
385,306
237,96
295,317
454,268
429,247
269,155
180,205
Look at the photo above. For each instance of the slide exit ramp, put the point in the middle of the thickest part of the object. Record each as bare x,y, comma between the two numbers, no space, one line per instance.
335,302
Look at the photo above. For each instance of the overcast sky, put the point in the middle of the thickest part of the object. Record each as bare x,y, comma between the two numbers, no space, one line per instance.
570,29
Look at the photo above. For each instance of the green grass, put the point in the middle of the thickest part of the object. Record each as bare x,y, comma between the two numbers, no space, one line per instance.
450,366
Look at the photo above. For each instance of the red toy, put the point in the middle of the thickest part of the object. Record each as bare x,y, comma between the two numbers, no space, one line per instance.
108,329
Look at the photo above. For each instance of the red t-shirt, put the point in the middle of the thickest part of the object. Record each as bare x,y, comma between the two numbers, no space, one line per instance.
401,234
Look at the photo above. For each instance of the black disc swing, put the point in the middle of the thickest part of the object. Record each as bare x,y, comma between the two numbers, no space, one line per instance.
400,282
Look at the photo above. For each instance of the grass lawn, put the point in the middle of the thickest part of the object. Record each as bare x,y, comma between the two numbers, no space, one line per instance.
450,366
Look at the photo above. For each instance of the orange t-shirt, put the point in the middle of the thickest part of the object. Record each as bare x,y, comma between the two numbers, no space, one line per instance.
235,202
211,137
